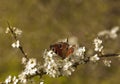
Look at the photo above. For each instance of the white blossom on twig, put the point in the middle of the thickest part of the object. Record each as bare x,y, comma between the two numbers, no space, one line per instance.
107,63
7,30
16,44
15,80
24,60
110,33
67,67
98,45
17,31
94,58
50,65
80,52
31,63
22,77
55,66
30,68
8,80
41,82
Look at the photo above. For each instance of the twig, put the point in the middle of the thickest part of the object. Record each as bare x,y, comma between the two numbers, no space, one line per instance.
15,37
110,55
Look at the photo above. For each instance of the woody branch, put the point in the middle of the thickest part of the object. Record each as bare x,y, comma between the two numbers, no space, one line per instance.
53,65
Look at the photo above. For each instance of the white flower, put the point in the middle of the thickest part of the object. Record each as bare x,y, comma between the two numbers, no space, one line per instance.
67,65
22,77
8,80
31,63
15,30
113,32
15,80
51,68
30,71
16,44
42,82
30,68
110,33
24,60
98,45
50,53
107,62
7,30
94,58
18,31
80,52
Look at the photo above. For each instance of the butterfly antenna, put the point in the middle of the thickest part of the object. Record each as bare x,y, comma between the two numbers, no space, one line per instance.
67,40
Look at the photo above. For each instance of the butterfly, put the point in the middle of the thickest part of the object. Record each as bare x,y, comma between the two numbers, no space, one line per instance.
62,49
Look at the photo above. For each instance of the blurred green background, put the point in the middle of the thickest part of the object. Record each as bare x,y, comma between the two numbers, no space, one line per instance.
45,21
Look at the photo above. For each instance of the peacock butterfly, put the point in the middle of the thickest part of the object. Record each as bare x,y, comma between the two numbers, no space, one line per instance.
62,49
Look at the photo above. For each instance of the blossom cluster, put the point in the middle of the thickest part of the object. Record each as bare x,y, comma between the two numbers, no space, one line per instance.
15,30
30,69
55,66
98,45
113,33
